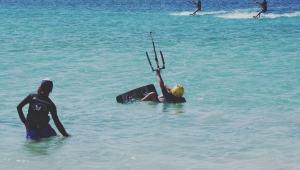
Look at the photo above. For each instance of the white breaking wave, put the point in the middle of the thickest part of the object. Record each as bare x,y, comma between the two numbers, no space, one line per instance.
244,14
185,13
294,14
238,14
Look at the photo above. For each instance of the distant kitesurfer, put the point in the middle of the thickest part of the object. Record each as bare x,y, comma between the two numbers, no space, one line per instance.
263,6
198,4
37,120
168,95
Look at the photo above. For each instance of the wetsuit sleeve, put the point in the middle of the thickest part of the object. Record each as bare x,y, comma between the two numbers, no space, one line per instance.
57,122
20,108
165,92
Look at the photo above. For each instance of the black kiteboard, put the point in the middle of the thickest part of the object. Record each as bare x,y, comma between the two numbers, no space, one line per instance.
135,94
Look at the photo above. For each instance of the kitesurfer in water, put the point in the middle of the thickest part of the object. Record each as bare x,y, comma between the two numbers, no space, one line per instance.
198,4
168,95
37,120
263,6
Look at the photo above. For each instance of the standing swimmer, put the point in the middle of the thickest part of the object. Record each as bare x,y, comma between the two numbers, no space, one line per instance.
198,4
168,95
263,6
37,121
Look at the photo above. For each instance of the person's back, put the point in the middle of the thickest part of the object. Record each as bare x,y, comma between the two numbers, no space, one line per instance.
37,120
264,6
38,110
199,5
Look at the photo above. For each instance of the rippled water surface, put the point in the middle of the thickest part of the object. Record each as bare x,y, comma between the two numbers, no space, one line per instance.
241,80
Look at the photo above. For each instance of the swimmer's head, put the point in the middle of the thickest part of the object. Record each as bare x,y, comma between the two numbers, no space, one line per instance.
46,85
178,90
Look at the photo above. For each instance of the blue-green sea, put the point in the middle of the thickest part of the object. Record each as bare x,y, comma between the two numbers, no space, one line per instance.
241,80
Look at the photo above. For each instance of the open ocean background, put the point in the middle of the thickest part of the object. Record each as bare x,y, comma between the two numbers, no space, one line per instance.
241,80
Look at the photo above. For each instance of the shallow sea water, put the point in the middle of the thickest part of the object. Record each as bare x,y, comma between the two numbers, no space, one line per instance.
241,80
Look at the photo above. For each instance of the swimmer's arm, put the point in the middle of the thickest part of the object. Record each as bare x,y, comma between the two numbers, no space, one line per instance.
160,80
20,111
193,2
57,123
255,2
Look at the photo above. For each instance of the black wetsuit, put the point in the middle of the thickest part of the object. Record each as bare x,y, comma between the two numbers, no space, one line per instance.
264,7
38,110
199,5
169,98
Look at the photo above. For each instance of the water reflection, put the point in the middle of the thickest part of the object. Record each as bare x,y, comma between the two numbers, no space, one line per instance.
43,146
176,108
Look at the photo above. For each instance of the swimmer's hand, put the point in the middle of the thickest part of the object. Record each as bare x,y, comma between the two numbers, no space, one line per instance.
157,71
63,137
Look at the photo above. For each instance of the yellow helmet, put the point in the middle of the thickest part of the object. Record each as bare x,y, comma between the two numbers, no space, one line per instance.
178,90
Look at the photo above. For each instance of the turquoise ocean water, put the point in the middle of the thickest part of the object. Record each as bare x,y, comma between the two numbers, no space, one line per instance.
241,80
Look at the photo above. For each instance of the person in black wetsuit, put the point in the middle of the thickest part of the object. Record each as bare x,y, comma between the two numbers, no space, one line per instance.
198,4
263,6
168,95
37,120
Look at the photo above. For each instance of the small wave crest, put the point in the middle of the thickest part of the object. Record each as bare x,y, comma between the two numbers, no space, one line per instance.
246,14
238,14
186,13
294,14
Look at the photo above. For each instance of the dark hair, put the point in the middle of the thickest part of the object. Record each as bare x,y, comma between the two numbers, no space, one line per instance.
40,91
